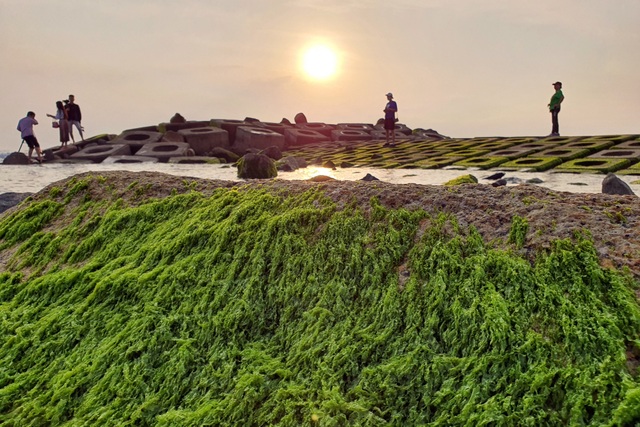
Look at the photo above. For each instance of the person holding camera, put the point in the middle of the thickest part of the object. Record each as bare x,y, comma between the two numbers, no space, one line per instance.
25,126
75,117
390,120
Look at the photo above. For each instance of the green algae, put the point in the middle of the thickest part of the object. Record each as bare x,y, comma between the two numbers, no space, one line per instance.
248,307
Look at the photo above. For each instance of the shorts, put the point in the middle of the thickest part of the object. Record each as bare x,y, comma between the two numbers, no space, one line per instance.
389,124
31,141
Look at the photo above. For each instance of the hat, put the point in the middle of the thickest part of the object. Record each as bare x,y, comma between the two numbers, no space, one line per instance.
557,83
389,94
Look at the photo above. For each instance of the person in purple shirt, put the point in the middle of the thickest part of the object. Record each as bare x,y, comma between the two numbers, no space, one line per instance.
25,126
390,120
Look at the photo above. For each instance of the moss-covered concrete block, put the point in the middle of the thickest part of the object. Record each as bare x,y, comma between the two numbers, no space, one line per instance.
537,164
593,165
482,162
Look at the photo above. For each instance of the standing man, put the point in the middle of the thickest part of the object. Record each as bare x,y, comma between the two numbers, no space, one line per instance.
554,108
390,120
75,117
25,126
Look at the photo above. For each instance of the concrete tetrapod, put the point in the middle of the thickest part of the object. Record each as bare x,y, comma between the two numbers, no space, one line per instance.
322,128
98,153
136,139
163,151
350,135
256,137
297,137
203,139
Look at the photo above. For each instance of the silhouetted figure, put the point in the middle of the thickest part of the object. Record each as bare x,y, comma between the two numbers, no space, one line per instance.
390,120
554,108
75,117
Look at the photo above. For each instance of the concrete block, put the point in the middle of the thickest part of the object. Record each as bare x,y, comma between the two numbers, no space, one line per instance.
98,153
163,151
203,139
256,137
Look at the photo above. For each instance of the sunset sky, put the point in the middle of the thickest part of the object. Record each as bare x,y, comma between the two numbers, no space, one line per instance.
462,67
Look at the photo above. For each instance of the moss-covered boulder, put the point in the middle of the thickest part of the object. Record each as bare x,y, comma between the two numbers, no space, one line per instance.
256,166
464,179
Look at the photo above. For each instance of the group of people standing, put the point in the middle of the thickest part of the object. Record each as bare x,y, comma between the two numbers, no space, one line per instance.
67,116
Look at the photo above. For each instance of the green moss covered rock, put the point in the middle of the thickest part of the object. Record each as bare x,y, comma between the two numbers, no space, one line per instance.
464,179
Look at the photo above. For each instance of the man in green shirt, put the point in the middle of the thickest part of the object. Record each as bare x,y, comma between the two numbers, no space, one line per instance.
554,108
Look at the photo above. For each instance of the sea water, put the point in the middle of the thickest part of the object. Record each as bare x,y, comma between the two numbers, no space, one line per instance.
33,178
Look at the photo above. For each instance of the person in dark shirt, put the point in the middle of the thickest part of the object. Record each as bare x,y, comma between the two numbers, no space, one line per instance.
75,117
390,120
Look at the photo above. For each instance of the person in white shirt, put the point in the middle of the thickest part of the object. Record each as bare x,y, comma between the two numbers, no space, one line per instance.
25,126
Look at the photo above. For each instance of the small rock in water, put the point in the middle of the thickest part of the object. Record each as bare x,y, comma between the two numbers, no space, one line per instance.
329,165
495,176
321,178
499,183
614,185
369,177
577,183
345,165
534,181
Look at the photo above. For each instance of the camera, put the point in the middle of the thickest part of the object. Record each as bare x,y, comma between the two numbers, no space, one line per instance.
66,101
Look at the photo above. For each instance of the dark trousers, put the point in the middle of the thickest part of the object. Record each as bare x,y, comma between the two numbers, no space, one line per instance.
555,127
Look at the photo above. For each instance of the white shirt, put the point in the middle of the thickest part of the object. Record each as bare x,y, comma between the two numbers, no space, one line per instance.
25,126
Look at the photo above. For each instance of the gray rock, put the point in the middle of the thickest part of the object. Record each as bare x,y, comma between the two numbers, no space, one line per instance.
300,118
369,177
534,181
274,152
291,163
495,176
499,183
9,200
16,158
177,118
614,185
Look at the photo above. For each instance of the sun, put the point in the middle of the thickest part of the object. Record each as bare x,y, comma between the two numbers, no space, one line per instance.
319,62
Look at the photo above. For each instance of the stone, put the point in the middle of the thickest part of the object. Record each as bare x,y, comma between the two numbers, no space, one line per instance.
16,158
177,118
495,176
321,178
9,200
300,118
464,179
273,152
369,177
221,153
256,137
291,163
329,165
286,121
499,183
256,166
345,165
614,185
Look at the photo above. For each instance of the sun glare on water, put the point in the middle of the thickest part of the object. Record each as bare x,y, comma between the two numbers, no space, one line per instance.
319,62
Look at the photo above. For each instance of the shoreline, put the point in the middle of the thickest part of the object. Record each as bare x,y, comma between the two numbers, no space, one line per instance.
34,178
